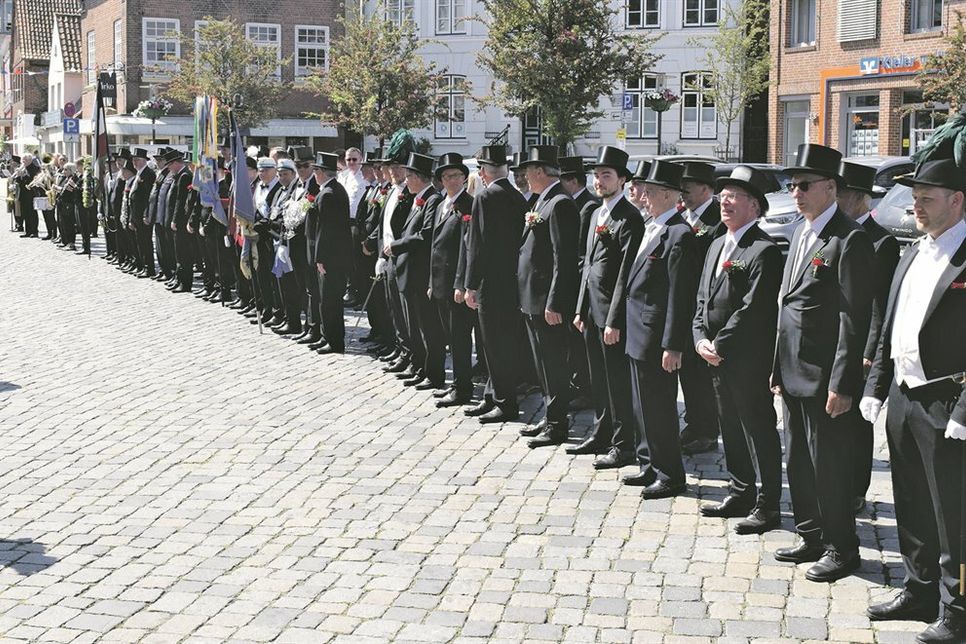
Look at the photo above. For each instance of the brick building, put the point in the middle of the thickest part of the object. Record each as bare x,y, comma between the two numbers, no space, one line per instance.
844,74
137,41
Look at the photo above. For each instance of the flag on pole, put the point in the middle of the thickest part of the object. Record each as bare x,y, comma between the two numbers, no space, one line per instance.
101,149
240,186
204,155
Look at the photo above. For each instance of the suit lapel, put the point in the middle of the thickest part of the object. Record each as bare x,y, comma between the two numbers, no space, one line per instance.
739,252
955,267
816,246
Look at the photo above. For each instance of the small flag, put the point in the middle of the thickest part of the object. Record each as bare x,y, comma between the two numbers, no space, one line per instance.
241,189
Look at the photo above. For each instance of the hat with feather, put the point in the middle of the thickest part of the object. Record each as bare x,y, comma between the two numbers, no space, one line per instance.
400,146
941,161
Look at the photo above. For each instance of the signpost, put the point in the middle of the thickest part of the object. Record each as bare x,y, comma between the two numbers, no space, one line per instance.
71,130
622,138
70,110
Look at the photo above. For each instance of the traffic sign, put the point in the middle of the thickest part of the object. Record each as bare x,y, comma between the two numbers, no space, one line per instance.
71,129
622,138
69,110
628,103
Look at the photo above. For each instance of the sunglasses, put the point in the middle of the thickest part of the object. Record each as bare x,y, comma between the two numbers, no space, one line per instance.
803,186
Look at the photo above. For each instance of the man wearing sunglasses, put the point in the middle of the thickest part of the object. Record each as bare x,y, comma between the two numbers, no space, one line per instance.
824,318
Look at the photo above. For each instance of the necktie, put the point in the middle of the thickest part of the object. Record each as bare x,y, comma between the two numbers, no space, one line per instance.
729,248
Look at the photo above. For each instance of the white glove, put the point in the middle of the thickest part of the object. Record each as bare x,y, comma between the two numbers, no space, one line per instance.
955,430
870,408
382,266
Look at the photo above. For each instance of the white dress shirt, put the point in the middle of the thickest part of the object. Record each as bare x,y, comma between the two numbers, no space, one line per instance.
810,232
355,187
261,196
693,216
543,195
916,292
603,213
731,243
449,203
387,210
653,231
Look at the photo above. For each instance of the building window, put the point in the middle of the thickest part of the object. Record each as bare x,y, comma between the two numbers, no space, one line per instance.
802,23
265,35
700,13
451,121
400,11
698,114
643,120
642,13
6,16
311,49
925,15
858,20
118,34
91,59
162,45
450,17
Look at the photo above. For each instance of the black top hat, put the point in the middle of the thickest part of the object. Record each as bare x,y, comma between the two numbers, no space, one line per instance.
570,166
939,173
698,172
160,152
665,174
15,158
420,164
124,154
450,161
540,155
300,153
493,155
817,159
251,162
643,169
615,158
263,151
173,155
140,153
752,181
858,177
327,161
372,157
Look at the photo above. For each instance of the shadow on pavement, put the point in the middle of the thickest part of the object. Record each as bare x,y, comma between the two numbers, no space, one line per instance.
8,386
25,556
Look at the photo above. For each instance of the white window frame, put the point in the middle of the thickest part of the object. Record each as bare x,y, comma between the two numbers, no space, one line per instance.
400,11
302,72
118,42
915,18
454,26
644,85
795,27
704,128
648,18
91,57
702,13
160,69
278,45
448,93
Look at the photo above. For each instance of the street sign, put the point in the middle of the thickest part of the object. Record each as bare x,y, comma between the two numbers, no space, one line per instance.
71,130
69,110
622,138
628,103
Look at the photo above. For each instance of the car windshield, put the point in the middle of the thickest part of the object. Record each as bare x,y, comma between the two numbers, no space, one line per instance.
899,196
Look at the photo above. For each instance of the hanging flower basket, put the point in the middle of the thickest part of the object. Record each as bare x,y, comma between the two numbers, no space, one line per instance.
661,100
153,108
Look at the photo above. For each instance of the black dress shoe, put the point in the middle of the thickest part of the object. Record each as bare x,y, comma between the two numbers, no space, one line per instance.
428,386
802,553
555,434
416,379
759,521
700,446
534,430
731,507
392,356
663,490
614,459
905,607
288,329
443,392
397,367
484,407
500,415
579,403
311,338
590,445
318,344
833,566
948,629
408,373
329,349
181,289
453,399
643,478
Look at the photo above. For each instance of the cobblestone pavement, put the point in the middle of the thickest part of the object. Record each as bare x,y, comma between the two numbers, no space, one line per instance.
167,474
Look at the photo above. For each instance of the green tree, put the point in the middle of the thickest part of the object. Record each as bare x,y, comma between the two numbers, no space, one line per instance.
560,56
737,61
943,76
377,81
225,64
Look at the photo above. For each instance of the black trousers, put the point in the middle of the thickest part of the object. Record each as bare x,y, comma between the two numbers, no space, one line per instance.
82,222
164,247
550,345
143,234
864,447
263,274
412,337
927,485
67,223
396,310
749,430
577,358
428,337
292,284
246,291
654,393
499,321
29,216
820,472
184,248
610,380
331,291
700,417
313,297
457,321
50,223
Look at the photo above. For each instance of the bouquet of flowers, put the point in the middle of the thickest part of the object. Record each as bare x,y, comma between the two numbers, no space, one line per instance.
661,100
153,108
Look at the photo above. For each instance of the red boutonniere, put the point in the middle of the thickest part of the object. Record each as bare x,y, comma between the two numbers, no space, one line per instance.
467,219
818,262
602,231
383,191
420,202
732,266
310,198
701,230
191,186
958,286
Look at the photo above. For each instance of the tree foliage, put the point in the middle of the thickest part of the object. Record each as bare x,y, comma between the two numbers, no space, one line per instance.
377,81
943,76
225,64
737,60
560,56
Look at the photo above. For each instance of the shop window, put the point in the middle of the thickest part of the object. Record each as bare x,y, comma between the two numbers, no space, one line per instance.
862,125
920,119
801,31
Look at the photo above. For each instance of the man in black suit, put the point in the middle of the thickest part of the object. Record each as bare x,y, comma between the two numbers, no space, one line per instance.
823,323
855,200
305,190
263,280
140,187
614,233
333,250
450,223
919,367
178,211
154,216
492,257
736,315
382,334
703,214
661,286
411,251
548,280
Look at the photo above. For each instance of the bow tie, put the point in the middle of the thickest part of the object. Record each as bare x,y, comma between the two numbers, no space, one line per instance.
264,186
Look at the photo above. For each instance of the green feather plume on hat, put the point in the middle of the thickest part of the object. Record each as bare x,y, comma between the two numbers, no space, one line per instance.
400,146
947,142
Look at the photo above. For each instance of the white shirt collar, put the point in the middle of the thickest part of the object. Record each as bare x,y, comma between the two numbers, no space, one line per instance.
545,191
861,220
577,194
328,181
610,205
700,209
451,200
423,191
947,243
738,234
818,225
661,220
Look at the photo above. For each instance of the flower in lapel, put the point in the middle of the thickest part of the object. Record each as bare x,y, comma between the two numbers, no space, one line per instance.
603,231
700,229
533,218
958,286
306,202
420,202
733,266
818,262
467,218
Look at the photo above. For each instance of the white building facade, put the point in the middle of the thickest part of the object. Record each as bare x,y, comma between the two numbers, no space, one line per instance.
688,127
